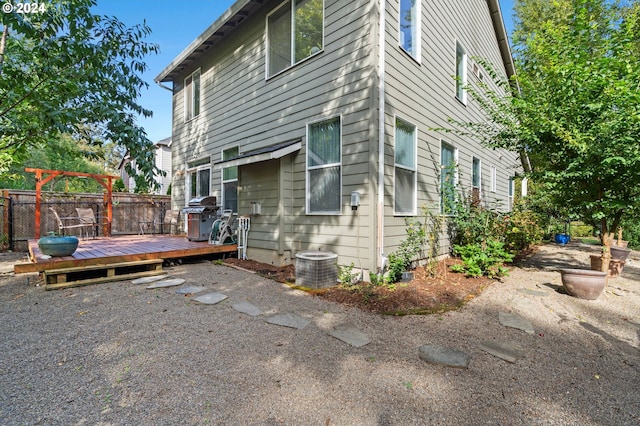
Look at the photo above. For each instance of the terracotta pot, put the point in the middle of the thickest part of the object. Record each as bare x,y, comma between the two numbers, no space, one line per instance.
583,283
619,253
615,267
622,244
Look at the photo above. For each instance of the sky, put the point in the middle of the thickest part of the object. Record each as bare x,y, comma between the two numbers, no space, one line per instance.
174,25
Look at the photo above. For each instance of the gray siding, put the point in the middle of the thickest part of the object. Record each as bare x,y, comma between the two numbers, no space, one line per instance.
240,107
424,94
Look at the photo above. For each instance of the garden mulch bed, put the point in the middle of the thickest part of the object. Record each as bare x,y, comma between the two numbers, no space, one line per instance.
435,291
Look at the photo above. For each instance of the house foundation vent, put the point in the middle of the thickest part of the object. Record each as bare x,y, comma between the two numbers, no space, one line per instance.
316,269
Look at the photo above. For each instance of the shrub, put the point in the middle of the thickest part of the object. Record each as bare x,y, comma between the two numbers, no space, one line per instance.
523,230
479,260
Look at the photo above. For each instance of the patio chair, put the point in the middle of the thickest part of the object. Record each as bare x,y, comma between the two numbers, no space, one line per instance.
88,219
170,219
65,223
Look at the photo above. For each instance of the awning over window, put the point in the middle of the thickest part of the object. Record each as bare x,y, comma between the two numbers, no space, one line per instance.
261,154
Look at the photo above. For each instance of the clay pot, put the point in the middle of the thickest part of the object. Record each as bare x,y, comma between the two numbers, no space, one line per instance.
583,283
619,253
58,245
622,244
615,265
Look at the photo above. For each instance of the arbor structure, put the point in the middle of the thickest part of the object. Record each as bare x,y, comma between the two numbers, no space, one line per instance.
575,107
64,70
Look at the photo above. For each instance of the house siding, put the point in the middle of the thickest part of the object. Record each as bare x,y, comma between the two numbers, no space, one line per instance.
241,107
424,94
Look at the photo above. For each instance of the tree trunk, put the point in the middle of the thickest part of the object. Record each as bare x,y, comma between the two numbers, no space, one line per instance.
606,239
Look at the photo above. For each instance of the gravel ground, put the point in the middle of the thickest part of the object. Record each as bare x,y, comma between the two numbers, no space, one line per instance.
118,354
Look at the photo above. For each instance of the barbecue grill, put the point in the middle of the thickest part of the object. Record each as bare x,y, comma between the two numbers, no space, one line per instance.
201,213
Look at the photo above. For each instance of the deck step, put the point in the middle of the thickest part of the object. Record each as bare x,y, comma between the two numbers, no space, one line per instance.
84,275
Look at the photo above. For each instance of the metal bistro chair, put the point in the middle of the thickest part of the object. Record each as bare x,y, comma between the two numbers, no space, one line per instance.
64,223
88,219
170,219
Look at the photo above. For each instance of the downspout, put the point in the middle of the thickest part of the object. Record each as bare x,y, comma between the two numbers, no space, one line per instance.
381,127
159,83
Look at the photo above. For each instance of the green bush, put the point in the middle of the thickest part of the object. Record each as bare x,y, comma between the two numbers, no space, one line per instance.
523,229
479,260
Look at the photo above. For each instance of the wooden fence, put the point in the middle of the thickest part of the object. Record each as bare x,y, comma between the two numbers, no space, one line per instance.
17,213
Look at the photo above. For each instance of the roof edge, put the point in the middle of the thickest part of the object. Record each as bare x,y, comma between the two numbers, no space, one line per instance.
217,24
502,37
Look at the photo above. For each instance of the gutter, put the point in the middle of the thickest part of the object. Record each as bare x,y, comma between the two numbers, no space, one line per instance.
381,127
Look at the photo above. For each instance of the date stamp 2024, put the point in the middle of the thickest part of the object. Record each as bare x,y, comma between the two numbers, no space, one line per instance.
24,8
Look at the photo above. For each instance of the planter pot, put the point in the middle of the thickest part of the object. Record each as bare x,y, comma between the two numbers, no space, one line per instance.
58,246
622,244
562,239
619,253
615,265
583,283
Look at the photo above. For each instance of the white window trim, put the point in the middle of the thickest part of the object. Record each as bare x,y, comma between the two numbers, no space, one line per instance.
456,174
418,56
494,178
465,80
222,180
306,166
414,212
191,101
479,177
187,180
275,9
511,192
480,171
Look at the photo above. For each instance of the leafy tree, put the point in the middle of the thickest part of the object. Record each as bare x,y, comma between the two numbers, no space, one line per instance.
575,109
64,153
68,71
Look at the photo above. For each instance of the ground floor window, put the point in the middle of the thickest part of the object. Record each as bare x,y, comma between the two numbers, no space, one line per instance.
324,167
405,176
476,176
198,178
230,181
448,178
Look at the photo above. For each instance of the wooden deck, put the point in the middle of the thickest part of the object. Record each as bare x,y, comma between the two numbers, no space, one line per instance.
119,249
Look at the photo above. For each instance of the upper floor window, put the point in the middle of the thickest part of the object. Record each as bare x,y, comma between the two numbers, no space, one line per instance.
294,33
230,181
405,176
410,27
192,96
324,167
461,74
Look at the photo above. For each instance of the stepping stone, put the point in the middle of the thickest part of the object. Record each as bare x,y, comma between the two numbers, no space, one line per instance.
505,350
147,280
190,289
247,308
444,356
349,334
211,298
533,292
288,320
515,321
167,283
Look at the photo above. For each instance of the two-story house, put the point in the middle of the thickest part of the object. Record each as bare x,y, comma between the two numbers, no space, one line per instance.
301,106
162,154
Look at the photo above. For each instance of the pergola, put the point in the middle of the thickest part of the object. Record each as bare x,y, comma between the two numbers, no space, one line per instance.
45,176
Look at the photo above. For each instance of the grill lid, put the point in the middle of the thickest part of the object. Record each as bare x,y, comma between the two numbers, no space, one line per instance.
206,201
